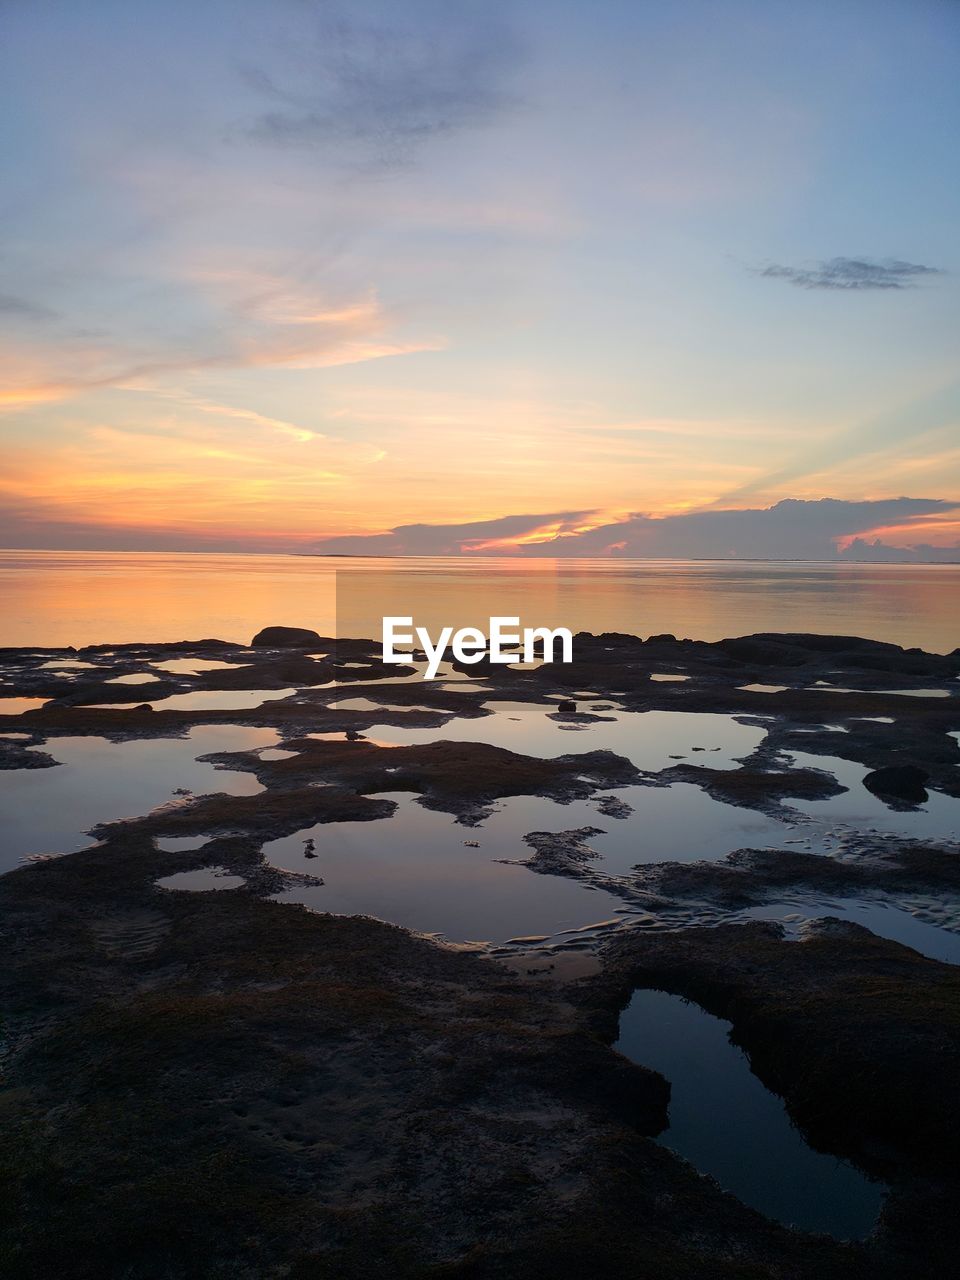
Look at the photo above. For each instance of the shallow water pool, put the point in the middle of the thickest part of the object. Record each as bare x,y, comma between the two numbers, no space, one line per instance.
17,706
652,740
218,699
196,666
50,810
202,880
938,818
885,919
416,869
729,1126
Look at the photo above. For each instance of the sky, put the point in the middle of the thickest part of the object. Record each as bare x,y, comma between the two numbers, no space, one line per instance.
542,277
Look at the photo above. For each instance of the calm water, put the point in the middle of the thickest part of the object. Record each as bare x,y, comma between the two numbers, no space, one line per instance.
416,870
728,1125
422,870
885,919
650,739
78,598
50,810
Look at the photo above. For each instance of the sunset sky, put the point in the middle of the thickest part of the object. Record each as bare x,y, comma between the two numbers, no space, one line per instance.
278,273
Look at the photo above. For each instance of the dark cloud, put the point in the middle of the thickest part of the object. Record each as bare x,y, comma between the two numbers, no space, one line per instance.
385,79
790,530
446,539
851,274
22,309
879,552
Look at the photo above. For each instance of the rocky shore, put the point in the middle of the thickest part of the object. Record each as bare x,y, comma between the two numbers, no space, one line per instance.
221,1085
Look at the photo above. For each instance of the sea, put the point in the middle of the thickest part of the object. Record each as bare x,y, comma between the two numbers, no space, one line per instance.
61,598
415,868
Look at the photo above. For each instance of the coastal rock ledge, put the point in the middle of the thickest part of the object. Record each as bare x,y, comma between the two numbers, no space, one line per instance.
284,638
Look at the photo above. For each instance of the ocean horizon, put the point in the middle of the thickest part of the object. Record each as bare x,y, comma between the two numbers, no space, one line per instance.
60,598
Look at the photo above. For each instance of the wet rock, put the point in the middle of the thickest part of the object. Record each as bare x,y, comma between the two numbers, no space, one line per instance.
560,853
285,638
844,1025
454,777
16,755
359,1080
613,807
569,707
757,788
762,651
482,669
142,646
434,1089
749,876
902,783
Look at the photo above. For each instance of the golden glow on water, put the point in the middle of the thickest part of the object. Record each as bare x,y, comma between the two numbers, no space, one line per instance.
52,598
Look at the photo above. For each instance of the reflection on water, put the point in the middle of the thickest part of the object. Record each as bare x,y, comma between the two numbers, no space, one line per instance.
208,700
822,687
80,597
415,869
49,810
679,823
859,809
367,704
220,699
884,919
16,706
178,844
650,739
202,880
919,693
196,666
728,1125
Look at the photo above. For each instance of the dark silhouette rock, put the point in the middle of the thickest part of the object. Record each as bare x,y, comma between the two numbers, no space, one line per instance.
284,638
568,707
901,782
763,652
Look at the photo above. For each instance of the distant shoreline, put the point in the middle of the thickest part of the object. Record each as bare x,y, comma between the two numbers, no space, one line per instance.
349,555
470,558
464,559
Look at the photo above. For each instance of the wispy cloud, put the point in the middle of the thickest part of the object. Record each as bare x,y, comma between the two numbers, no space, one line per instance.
20,309
302,434
383,87
851,274
283,332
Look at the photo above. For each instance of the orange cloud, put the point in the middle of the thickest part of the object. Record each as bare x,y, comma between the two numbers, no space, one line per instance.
274,330
552,531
